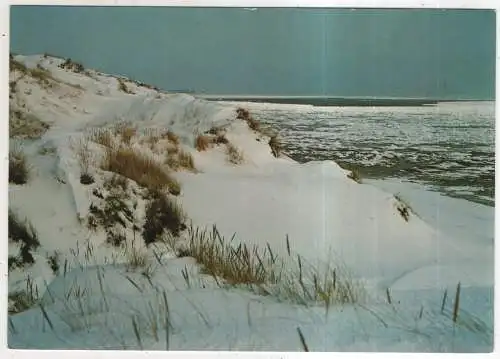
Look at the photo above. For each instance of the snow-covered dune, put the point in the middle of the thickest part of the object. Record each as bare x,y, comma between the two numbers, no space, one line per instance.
329,219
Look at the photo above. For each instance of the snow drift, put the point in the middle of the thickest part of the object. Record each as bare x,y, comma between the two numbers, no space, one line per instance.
100,300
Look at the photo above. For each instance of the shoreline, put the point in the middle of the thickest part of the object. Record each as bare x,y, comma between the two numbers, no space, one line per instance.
334,101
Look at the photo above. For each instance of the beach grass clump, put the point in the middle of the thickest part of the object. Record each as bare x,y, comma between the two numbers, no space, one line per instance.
144,170
19,170
203,142
234,154
85,158
103,137
172,137
122,86
263,271
136,258
186,160
275,145
163,214
355,175
244,114
25,125
23,233
125,131
72,66
403,207
15,65
22,300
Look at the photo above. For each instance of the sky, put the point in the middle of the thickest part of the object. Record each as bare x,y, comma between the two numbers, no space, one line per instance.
446,54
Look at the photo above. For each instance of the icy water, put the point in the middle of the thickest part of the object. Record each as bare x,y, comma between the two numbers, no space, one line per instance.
449,147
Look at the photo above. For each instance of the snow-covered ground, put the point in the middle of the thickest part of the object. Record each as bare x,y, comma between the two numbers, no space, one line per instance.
403,267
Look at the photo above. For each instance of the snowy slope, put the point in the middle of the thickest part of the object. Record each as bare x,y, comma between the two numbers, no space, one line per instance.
330,220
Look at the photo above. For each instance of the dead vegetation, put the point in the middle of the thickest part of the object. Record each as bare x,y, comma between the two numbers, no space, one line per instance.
162,214
179,159
172,137
41,75
275,145
125,131
71,65
264,272
203,142
244,114
102,137
144,170
24,234
123,87
355,175
85,159
25,125
403,208
234,154
19,170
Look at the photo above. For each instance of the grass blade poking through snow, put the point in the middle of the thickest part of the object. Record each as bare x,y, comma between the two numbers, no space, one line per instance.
443,303
167,322
263,272
137,334
457,304
302,340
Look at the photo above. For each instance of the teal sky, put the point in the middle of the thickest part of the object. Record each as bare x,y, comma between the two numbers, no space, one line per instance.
398,53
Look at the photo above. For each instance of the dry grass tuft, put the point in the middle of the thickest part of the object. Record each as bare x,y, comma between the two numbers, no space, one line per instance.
203,142
25,125
275,145
234,155
85,159
263,271
355,175
235,265
186,160
403,208
123,87
72,66
136,259
172,150
172,137
24,234
162,214
253,124
142,169
126,132
102,137
18,166
244,114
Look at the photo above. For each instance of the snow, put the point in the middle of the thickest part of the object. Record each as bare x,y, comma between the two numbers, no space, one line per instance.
329,219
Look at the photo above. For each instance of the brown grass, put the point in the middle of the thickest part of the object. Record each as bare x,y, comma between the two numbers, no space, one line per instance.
263,271
172,162
123,87
142,169
126,132
355,175
253,124
275,145
186,160
85,159
102,137
180,159
234,155
172,137
18,166
203,142
244,114
172,150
